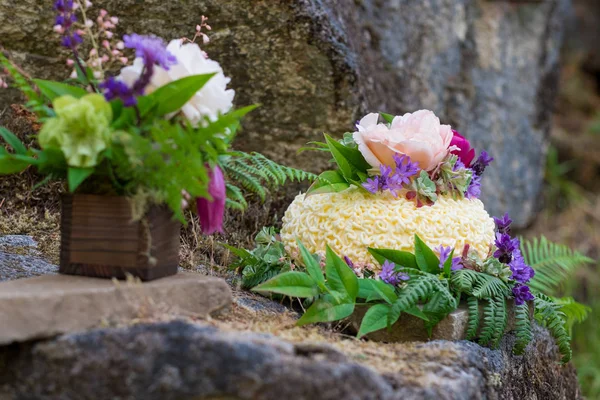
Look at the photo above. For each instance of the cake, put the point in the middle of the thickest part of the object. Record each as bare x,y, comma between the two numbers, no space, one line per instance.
397,177
352,221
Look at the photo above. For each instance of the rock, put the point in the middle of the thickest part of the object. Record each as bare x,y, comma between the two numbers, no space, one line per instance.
409,328
17,241
15,266
182,361
259,304
488,68
50,305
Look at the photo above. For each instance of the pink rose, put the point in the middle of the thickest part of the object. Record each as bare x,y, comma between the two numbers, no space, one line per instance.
418,135
464,152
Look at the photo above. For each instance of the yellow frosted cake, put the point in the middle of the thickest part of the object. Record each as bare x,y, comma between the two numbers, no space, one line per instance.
352,220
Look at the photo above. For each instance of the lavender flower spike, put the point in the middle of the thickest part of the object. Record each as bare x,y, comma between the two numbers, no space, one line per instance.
389,275
506,246
474,189
482,162
503,224
522,294
444,254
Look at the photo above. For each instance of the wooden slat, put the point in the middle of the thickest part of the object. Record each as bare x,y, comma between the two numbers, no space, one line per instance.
98,238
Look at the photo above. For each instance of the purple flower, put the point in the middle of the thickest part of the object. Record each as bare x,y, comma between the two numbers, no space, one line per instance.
522,294
373,185
348,262
474,189
481,163
521,272
458,165
64,23
151,49
506,246
503,224
444,254
457,264
465,153
404,168
211,212
389,275
115,89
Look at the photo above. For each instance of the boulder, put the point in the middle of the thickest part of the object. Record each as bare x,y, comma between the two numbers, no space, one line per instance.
177,360
489,68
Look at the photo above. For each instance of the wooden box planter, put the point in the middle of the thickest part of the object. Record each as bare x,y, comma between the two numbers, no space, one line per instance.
100,239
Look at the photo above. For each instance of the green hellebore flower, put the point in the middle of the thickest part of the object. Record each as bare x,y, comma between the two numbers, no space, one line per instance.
80,129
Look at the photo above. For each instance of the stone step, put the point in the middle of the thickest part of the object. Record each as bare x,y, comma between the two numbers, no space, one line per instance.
49,305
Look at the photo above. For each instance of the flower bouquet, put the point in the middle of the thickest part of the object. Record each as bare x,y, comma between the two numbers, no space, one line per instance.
398,228
136,148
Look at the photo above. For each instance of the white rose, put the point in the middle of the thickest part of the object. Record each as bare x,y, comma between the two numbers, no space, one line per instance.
212,99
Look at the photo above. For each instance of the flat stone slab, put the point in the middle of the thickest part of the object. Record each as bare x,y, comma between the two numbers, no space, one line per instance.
50,305
409,328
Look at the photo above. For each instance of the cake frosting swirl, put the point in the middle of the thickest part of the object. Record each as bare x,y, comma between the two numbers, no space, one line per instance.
353,220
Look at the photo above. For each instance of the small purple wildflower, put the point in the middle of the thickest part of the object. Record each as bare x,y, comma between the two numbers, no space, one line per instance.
503,224
373,184
458,165
64,23
404,168
522,294
151,49
521,272
474,189
389,275
444,254
115,89
457,264
153,52
506,246
348,262
481,163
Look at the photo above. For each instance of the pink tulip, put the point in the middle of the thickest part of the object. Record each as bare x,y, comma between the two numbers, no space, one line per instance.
211,212
464,152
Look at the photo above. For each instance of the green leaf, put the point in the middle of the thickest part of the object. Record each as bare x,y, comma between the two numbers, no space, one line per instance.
416,311
8,165
293,284
174,95
324,311
238,251
52,89
328,182
350,161
374,319
76,176
448,264
402,258
426,258
425,186
387,117
13,141
340,277
312,266
365,288
383,291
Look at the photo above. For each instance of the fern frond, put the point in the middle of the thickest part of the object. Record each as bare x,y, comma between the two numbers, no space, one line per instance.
522,328
246,180
500,320
553,263
234,194
473,322
548,314
489,322
573,310
35,101
478,284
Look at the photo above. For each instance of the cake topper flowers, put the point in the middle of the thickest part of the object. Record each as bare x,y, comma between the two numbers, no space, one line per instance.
412,155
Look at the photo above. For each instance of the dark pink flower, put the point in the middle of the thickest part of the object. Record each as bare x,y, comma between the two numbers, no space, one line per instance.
211,212
465,153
